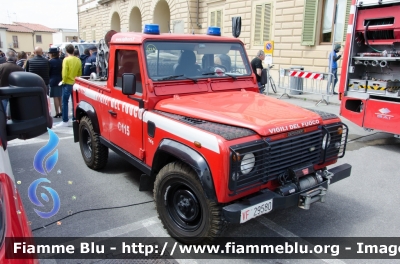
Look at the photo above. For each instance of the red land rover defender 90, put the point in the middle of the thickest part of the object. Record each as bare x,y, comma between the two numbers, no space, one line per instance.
186,111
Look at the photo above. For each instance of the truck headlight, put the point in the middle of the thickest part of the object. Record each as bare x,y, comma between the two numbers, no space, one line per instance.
247,163
326,141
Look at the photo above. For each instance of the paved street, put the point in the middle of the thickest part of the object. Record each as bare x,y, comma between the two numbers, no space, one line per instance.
360,206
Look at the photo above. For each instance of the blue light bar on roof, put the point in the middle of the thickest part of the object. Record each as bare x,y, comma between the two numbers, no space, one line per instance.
214,31
151,29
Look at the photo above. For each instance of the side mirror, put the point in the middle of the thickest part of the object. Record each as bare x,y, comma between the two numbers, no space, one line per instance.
29,110
128,83
264,76
236,26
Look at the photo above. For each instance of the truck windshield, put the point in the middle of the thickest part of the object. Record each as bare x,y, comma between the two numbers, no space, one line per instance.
176,60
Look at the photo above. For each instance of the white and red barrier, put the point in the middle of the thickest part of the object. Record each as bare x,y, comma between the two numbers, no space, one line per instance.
307,75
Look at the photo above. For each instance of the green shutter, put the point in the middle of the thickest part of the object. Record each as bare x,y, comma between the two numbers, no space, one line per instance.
212,22
267,22
346,19
309,22
258,25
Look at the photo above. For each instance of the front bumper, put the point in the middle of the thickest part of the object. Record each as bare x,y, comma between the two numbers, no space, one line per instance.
234,213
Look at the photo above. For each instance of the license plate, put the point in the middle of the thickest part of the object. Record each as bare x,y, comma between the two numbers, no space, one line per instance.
255,210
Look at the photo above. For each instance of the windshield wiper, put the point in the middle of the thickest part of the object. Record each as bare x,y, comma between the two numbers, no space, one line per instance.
214,73
176,76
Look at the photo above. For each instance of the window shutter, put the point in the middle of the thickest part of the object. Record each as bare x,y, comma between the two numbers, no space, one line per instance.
219,18
212,22
346,19
258,25
267,22
309,22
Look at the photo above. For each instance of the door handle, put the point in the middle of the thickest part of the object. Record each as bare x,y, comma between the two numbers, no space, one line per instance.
112,113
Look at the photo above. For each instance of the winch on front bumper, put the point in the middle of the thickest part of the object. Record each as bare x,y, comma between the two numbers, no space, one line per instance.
266,200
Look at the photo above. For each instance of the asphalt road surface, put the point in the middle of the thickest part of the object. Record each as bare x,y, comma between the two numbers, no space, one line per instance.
108,203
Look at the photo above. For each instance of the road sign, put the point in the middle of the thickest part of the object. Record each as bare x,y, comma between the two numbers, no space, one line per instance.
268,47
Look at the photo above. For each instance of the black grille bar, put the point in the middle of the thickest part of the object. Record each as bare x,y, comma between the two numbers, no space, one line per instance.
335,147
271,159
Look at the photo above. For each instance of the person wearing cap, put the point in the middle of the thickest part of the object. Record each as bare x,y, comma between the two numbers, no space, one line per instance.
55,79
334,56
6,69
90,64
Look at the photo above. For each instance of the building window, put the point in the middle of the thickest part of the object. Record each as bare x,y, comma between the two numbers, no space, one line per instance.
94,35
262,23
84,36
327,26
15,41
1,43
38,38
216,18
327,13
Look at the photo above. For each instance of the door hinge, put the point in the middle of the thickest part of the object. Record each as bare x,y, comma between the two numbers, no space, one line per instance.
141,154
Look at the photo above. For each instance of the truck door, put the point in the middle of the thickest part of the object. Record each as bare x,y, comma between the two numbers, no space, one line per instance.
125,124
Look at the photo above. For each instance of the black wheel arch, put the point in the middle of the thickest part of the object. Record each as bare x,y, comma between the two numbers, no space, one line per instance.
170,150
85,109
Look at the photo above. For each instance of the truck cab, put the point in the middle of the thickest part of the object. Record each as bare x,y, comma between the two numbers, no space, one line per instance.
186,111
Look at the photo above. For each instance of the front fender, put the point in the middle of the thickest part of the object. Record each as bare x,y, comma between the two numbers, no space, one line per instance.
193,159
84,108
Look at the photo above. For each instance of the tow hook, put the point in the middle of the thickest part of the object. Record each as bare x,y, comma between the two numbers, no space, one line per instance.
312,196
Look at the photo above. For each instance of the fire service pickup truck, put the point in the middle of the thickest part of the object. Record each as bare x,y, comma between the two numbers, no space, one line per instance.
185,110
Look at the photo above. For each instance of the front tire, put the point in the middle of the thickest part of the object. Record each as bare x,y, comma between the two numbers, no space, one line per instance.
183,208
93,152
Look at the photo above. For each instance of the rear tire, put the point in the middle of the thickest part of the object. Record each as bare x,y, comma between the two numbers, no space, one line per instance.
183,208
93,152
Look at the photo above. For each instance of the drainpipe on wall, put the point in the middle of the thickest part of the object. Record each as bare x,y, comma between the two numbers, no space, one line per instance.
33,41
198,11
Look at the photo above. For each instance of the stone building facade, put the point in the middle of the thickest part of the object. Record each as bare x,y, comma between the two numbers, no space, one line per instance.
302,30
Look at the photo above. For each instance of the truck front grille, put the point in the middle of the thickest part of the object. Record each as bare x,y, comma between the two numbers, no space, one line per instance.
271,159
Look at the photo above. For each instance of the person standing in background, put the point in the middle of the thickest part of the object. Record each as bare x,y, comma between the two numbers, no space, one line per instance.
90,64
6,69
55,79
2,57
256,65
21,58
83,57
334,56
40,66
71,68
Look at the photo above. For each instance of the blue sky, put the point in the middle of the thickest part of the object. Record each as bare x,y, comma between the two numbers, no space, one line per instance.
50,13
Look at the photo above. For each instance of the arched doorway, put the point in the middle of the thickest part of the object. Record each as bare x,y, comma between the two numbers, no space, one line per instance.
135,20
116,22
162,16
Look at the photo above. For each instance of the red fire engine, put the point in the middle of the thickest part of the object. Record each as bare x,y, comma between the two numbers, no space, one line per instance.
186,111
370,83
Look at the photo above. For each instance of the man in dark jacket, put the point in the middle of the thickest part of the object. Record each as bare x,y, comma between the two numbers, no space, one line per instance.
40,66
90,64
6,69
84,57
